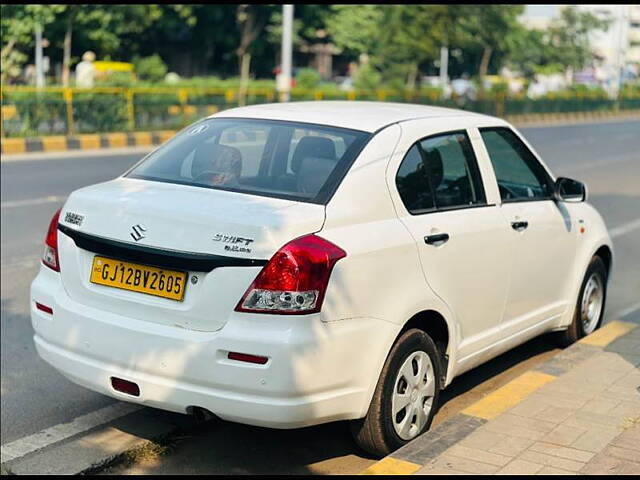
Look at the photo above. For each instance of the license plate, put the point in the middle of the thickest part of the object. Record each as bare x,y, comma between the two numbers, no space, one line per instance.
138,278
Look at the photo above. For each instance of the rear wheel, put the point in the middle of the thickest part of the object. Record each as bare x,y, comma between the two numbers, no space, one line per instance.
590,307
406,396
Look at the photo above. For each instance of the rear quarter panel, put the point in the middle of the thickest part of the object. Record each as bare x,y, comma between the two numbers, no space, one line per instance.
381,276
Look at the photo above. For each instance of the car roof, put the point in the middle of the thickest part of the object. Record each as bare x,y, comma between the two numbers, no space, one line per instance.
357,115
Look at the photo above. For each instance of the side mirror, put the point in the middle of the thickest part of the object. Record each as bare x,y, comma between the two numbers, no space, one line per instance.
569,190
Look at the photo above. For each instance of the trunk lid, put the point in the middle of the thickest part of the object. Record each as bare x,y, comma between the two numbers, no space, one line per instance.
178,219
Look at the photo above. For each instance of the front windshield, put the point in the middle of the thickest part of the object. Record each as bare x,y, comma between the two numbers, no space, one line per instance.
262,157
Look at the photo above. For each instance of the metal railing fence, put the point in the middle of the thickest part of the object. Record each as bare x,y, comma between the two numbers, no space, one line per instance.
27,111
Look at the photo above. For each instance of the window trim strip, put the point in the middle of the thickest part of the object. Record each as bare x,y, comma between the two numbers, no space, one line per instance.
452,209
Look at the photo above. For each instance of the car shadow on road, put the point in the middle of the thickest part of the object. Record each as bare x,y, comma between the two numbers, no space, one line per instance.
219,447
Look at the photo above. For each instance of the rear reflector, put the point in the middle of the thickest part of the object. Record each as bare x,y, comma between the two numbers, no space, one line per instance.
245,357
44,308
125,386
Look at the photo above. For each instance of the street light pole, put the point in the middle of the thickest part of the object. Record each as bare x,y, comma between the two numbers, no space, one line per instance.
39,59
444,67
621,54
287,49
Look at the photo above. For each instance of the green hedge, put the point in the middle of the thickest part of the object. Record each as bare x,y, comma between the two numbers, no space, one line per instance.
46,113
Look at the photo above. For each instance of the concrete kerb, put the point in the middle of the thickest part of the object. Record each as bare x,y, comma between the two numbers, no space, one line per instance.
546,119
104,141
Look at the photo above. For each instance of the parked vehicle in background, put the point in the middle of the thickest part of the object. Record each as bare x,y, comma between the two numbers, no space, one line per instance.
293,264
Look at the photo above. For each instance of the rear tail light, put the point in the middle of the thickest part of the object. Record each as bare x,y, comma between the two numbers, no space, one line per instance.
50,255
294,281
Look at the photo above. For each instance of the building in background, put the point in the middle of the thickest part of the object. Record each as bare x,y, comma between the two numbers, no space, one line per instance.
617,50
633,54
538,17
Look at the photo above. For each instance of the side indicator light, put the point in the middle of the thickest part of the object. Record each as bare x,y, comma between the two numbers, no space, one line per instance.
245,357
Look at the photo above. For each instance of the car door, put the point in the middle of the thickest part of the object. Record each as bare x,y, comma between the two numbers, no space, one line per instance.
464,244
541,228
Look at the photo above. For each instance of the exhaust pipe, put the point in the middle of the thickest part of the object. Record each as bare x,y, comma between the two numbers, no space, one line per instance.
201,415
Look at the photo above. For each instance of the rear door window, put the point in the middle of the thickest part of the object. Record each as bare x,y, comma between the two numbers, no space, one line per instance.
440,172
262,157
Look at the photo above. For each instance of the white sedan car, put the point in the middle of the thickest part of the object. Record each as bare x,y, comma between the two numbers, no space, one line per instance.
292,264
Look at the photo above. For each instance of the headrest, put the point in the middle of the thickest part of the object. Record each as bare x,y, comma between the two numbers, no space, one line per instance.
313,173
434,169
309,146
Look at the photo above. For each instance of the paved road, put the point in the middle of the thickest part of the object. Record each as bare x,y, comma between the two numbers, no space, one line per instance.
33,396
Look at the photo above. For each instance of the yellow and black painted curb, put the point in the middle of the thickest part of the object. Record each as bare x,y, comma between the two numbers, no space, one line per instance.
84,142
417,453
572,117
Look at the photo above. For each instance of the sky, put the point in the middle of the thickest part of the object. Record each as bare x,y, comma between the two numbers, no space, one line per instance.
547,11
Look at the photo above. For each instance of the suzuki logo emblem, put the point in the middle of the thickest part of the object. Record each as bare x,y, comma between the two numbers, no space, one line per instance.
138,232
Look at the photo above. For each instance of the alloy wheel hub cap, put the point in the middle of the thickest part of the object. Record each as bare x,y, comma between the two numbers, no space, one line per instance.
592,301
413,393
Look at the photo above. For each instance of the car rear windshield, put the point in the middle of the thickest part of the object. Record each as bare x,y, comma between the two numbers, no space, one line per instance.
297,161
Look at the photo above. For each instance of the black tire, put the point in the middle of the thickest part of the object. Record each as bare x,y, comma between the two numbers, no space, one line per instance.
576,331
375,432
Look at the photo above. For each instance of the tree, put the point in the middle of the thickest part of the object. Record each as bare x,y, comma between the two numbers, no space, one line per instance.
404,43
569,37
308,24
104,25
183,36
309,27
18,24
488,26
566,44
101,28
251,20
397,38
393,37
528,52
355,28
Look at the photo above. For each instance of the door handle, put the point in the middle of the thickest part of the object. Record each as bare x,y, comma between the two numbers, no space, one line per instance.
438,239
519,226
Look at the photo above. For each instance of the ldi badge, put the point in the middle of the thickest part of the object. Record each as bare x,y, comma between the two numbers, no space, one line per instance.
233,242
74,218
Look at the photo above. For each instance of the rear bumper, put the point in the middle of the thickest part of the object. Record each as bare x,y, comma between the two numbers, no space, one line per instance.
316,371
